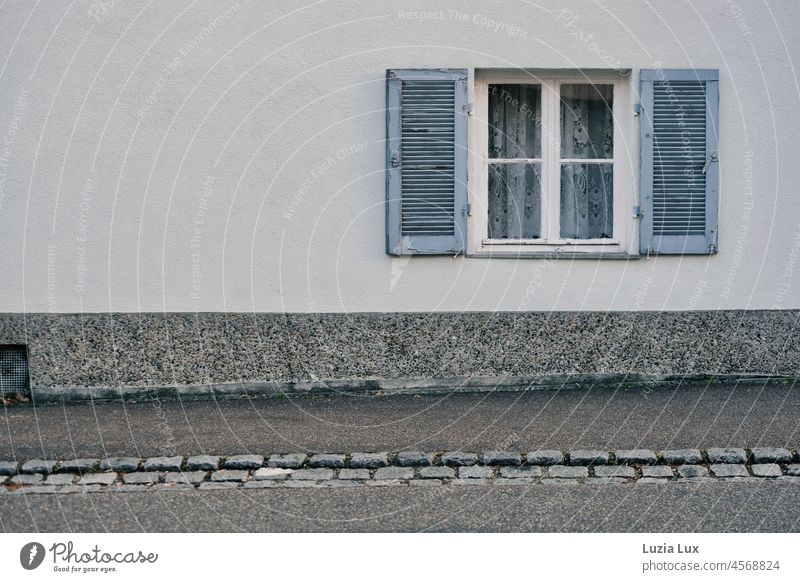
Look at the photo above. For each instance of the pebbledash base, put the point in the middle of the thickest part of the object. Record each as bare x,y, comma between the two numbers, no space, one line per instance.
89,356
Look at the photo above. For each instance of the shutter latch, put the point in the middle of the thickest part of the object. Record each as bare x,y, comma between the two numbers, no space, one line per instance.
395,159
712,157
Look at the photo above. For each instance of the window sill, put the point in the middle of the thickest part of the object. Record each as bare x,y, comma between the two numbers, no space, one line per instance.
550,243
551,255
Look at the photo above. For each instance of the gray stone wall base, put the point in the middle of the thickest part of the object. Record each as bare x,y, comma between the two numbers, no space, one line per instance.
107,355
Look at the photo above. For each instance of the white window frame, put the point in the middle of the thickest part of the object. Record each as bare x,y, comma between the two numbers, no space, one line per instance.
623,242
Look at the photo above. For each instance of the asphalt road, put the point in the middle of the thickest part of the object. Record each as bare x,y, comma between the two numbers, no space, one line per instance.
599,418
674,507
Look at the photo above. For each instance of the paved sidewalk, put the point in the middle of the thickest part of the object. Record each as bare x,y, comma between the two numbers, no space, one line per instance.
719,506
601,418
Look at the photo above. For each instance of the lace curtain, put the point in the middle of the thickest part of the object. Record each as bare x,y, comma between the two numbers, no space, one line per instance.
587,133
514,187
586,192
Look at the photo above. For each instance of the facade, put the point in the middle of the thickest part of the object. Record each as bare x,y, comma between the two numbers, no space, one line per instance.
215,195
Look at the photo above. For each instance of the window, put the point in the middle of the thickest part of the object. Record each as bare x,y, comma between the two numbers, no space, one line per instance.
528,164
547,163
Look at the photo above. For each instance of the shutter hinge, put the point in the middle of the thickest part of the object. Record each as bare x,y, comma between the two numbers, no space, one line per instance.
712,157
467,210
468,108
637,211
713,243
637,109
395,159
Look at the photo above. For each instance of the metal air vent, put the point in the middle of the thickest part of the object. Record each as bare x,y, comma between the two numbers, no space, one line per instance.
14,377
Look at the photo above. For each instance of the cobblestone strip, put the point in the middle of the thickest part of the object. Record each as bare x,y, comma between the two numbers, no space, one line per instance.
404,468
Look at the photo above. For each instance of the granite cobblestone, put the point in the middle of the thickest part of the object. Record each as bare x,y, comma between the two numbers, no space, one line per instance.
327,461
26,479
190,477
394,473
682,456
437,473
692,471
38,466
350,474
729,470
766,470
614,471
414,459
320,473
244,462
586,458
636,456
520,472
59,479
476,472
771,455
503,458
459,459
728,455
239,475
163,464
202,463
98,479
368,460
124,464
78,465
144,478
288,461
657,472
567,472
546,457
272,474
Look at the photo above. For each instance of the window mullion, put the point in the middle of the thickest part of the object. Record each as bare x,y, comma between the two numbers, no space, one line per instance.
544,199
553,166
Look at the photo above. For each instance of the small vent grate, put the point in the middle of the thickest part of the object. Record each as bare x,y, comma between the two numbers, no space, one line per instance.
14,376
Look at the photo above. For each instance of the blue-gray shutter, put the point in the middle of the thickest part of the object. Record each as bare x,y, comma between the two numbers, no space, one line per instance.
679,186
426,161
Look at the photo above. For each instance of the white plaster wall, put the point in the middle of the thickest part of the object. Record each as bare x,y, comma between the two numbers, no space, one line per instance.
228,156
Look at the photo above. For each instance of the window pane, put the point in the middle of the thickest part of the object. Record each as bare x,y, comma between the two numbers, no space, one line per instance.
587,123
514,207
587,201
515,120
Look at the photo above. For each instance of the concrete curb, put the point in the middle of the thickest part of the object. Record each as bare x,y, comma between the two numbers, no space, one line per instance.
468,384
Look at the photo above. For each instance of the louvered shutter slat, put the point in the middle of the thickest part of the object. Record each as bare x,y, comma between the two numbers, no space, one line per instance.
426,161
679,178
